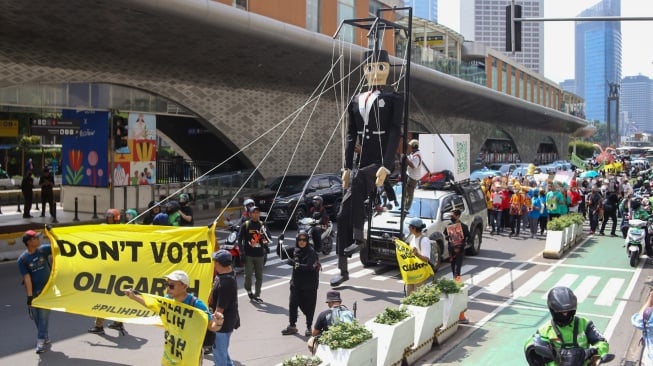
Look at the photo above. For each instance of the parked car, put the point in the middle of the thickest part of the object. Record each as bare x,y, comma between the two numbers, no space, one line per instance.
7,182
482,173
328,186
434,208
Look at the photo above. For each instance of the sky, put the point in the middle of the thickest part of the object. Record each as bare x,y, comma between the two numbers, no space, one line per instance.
637,53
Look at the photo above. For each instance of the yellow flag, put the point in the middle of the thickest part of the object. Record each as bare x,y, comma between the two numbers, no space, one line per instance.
94,264
413,269
185,327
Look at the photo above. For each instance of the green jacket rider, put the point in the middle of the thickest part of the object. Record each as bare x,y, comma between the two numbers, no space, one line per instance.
567,339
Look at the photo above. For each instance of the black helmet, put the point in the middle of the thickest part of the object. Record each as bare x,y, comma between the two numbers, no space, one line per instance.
562,299
303,234
317,199
172,207
636,203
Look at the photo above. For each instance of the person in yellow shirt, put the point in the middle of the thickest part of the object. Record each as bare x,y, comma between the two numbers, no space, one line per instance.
516,210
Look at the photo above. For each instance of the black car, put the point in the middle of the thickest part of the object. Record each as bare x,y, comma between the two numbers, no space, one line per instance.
328,186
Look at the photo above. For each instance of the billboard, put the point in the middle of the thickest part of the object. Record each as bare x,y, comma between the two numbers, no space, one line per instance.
135,163
85,158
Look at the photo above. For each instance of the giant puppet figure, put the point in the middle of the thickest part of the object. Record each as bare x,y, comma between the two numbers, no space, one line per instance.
373,131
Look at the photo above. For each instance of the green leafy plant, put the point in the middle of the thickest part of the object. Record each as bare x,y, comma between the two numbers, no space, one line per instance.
345,335
391,316
560,223
448,286
576,218
423,296
301,360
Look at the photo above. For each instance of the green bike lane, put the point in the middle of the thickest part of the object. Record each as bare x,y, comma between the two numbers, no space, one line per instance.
597,271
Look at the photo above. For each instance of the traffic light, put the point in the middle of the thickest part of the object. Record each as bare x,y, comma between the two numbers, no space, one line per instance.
509,26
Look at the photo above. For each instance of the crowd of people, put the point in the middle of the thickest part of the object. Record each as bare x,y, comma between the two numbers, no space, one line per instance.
513,204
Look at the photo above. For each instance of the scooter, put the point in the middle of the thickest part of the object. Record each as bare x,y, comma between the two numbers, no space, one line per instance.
635,237
231,245
307,224
539,353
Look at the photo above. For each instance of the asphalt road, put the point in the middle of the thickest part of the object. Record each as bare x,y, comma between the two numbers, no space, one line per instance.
508,280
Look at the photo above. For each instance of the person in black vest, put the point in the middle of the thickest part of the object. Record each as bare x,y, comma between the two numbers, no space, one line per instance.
374,124
185,211
27,186
303,284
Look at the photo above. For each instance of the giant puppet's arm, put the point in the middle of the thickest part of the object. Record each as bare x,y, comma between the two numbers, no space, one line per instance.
350,144
393,130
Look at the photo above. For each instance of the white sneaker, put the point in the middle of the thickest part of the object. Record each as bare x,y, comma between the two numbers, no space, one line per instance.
40,346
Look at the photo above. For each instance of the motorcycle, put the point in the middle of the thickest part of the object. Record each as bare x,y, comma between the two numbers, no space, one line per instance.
539,353
635,237
231,245
308,224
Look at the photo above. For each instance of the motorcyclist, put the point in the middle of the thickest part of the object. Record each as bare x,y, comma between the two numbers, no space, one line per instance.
247,205
638,212
130,214
318,212
567,339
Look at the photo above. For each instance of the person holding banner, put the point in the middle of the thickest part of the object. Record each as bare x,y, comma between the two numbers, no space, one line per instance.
421,246
34,265
177,290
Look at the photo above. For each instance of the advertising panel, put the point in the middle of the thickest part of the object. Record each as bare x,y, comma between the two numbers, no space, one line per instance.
85,158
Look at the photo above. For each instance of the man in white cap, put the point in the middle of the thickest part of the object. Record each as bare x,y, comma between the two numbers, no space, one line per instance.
34,265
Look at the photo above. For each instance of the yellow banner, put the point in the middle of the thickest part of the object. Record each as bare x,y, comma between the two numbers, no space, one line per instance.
185,327
413,269
94,264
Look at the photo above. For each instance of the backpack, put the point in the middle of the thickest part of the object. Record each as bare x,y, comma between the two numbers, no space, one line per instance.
339,314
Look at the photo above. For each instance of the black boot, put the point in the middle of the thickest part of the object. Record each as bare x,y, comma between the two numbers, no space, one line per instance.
353,248
344,273
339,279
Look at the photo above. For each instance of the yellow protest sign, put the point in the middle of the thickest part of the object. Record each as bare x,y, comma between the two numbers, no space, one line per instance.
94,264
413,269
185,326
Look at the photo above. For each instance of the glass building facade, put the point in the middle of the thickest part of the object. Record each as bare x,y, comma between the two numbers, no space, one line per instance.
598,58
636,98
425,9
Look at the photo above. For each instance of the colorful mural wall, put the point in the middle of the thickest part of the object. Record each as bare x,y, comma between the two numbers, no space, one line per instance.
85,159
135,161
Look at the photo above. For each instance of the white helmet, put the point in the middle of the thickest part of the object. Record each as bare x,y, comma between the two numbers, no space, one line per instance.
247,202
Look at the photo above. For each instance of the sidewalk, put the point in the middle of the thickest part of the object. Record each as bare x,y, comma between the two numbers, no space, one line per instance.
13,225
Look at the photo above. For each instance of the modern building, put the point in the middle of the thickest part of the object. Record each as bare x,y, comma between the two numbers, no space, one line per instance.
569,85
484,21
598,58
425,9
636,98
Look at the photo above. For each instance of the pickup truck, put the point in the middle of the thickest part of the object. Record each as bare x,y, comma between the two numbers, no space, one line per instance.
434,207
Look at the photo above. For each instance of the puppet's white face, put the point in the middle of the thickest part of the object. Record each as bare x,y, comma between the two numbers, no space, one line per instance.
377,73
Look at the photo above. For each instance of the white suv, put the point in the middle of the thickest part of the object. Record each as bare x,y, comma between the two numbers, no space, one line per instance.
434,207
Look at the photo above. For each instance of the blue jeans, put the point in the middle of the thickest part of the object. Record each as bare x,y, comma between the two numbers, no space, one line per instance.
496,220
221,349
41,319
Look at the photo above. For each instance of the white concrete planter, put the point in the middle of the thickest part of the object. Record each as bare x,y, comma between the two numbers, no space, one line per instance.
579,232
394,340
428,321
454,304
363,354
554,245
568,237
